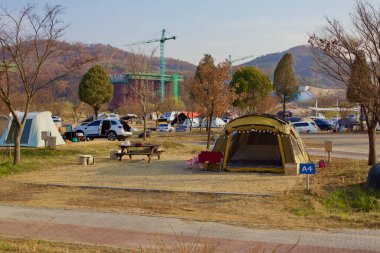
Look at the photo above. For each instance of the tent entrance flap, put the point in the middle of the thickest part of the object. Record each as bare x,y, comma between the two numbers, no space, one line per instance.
254,149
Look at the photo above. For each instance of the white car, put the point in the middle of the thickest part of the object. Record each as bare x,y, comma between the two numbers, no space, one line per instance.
165,128
57,120
305,127
111,129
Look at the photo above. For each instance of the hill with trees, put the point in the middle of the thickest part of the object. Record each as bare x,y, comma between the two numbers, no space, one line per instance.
303,64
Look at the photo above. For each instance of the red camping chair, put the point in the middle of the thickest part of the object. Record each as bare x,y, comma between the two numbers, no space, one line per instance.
210,157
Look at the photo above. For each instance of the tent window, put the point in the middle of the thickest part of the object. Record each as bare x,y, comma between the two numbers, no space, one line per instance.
26,132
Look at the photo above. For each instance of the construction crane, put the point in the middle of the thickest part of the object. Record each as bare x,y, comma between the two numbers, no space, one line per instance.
230,61
162,58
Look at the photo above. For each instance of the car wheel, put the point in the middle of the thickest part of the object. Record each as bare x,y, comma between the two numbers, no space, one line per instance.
111,136
308,131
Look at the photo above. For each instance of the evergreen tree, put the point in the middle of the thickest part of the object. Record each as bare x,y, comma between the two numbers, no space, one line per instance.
284,81
251,86
95,88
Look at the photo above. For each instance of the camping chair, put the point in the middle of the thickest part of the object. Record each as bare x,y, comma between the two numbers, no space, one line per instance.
80,137
210,157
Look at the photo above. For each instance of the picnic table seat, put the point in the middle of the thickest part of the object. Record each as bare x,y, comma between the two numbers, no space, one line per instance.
149,152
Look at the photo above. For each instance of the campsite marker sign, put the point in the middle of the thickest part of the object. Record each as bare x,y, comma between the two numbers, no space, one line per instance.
307,169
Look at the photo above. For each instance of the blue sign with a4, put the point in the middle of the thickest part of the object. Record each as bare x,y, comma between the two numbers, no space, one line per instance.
307,168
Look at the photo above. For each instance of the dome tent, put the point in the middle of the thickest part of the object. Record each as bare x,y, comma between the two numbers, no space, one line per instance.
36,122
263,143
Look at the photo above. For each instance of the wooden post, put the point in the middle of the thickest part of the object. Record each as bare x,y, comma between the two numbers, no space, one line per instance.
328,149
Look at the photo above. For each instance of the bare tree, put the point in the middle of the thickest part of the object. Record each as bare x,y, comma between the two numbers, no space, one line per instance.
142,87
29,43
335,50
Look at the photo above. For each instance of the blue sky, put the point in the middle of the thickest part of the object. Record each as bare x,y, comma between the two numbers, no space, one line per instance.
218,27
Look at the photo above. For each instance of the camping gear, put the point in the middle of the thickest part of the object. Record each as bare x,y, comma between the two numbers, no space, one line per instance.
35,124
373,178
262,143
210,158
321,164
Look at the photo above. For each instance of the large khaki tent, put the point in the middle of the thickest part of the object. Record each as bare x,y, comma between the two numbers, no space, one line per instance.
36,122
260,143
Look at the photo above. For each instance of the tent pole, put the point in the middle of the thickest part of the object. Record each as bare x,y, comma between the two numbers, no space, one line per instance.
226,152
281,150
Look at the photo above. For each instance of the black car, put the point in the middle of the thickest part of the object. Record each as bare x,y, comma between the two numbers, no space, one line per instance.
323,124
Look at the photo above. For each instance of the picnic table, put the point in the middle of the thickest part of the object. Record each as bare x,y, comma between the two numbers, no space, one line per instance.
140,149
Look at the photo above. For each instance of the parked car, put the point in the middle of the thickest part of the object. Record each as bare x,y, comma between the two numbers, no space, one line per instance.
168,116
111,129
57,120
341,124
352,116
305,127
335,118
287,114
165,128
185,126
318,116
324,125
293,119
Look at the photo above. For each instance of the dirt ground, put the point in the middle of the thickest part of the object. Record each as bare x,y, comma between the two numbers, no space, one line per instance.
169,173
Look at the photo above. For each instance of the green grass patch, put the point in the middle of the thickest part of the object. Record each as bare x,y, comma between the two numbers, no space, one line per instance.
40,158
352,199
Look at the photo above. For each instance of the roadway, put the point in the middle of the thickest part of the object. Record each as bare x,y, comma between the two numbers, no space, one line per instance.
353,146
135,231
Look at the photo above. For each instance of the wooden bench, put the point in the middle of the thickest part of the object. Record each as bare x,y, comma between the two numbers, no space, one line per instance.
149,152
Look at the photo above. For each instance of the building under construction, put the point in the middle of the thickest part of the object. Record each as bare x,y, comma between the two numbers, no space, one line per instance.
126,87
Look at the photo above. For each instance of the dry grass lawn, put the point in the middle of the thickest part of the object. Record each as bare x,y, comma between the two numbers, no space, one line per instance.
286,206
17,245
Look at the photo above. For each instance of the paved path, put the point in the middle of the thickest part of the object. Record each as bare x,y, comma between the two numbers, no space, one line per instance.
354,146
132,231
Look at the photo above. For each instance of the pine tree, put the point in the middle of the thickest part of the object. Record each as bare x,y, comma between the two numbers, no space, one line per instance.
284,81
95,88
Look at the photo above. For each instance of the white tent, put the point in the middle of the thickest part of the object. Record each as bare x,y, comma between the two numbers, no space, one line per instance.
35,124
215,123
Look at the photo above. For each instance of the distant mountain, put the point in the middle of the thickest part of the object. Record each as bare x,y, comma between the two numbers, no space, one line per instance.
303,65
116,61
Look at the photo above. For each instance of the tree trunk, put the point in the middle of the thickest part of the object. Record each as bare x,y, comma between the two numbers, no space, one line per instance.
17,145
96,110
361,118
209,129
144,111
372,157
145,127
283,107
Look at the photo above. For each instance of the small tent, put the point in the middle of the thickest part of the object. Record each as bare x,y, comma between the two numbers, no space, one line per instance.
36,122
263,143
215,123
